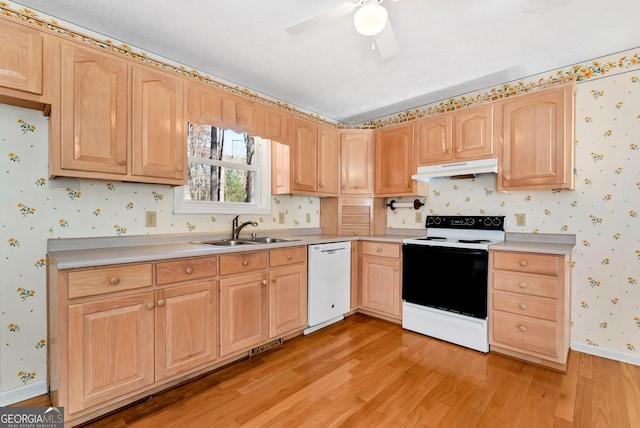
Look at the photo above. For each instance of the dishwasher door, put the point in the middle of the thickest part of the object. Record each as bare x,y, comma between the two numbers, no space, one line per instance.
329,282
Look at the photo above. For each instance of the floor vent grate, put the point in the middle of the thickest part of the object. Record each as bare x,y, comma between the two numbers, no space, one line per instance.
265,347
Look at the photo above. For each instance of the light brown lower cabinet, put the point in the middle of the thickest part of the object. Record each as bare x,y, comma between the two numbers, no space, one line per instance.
118,333
529,311
380,271
263,305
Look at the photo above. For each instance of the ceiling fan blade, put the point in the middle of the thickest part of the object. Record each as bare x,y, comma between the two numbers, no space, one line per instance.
321,18
386,42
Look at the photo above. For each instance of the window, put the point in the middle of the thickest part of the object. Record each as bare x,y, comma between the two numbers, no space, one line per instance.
229,172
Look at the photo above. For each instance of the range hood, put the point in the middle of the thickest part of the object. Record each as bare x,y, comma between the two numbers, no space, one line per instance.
466,169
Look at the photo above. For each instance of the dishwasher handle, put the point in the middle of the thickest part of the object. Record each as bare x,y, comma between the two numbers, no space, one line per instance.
333,251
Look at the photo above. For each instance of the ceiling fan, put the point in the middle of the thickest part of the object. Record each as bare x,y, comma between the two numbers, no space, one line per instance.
370,19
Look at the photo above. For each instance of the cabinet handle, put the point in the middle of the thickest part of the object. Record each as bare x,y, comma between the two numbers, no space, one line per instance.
289,257
189,270
507,177
245,263
122,162
523,306
264,281
522,285
114,280
355,233
179,168
150,305
161,302
458,150
319,184
523,263
523,328
395,269
295,182
379,249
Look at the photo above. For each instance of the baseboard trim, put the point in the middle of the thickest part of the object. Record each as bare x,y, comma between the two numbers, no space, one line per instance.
606,353
22,393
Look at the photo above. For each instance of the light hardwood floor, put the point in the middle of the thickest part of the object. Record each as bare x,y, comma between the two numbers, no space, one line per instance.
364,372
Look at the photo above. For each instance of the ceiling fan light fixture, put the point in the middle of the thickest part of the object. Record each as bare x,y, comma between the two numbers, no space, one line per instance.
370,19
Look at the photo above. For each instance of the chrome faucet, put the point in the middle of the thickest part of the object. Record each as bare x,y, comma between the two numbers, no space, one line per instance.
235,229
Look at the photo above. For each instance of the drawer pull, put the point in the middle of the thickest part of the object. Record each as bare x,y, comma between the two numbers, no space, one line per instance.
319,184
264,281
122,162
161,302
523,328
189,270
523,306
245,263
379,249
289,257
179,168
150,305
114,280
522,285
395,269
523,263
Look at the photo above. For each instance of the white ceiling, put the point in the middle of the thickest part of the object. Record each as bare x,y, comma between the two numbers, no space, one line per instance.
445,47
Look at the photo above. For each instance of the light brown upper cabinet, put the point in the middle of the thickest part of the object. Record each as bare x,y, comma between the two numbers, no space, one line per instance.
538,140
466,134
280,168
394,161
20,57
356,163
117,120
315,159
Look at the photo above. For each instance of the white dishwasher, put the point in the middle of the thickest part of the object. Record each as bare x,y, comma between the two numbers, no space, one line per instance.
329,284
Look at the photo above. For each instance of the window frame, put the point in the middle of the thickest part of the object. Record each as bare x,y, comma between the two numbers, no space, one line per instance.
262,197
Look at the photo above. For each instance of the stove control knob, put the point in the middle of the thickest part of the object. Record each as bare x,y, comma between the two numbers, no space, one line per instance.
496,221
471,221
487,221
429,220
437,220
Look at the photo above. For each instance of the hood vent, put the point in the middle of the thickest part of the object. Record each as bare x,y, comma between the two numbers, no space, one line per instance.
455,170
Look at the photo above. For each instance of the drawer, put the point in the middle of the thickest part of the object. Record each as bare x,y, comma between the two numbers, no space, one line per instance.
243,262
186,269
287,256
537,285
545,264
535,336
108,280
381,249
523,304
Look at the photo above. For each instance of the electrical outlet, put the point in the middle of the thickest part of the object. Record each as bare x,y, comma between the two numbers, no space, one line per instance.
281,218
149,219
418,217
521,219
308,217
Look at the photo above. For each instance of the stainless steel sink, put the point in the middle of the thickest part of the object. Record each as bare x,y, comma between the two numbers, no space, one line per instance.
226,242
269,240
248,241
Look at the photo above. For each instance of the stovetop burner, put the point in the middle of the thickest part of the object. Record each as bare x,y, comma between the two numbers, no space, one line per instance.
473,232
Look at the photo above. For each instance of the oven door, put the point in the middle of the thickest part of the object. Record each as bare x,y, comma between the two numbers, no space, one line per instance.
450,279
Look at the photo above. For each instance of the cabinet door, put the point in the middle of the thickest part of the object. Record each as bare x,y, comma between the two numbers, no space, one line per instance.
20,58
111,349
435,140
186,328
473,132
538,146
355,275
394,153
305,157
287,300
381,285
356,163
159,143
328,160
280,168
94,104
243,312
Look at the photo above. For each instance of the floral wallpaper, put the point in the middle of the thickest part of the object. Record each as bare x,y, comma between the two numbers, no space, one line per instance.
603,211
35,209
